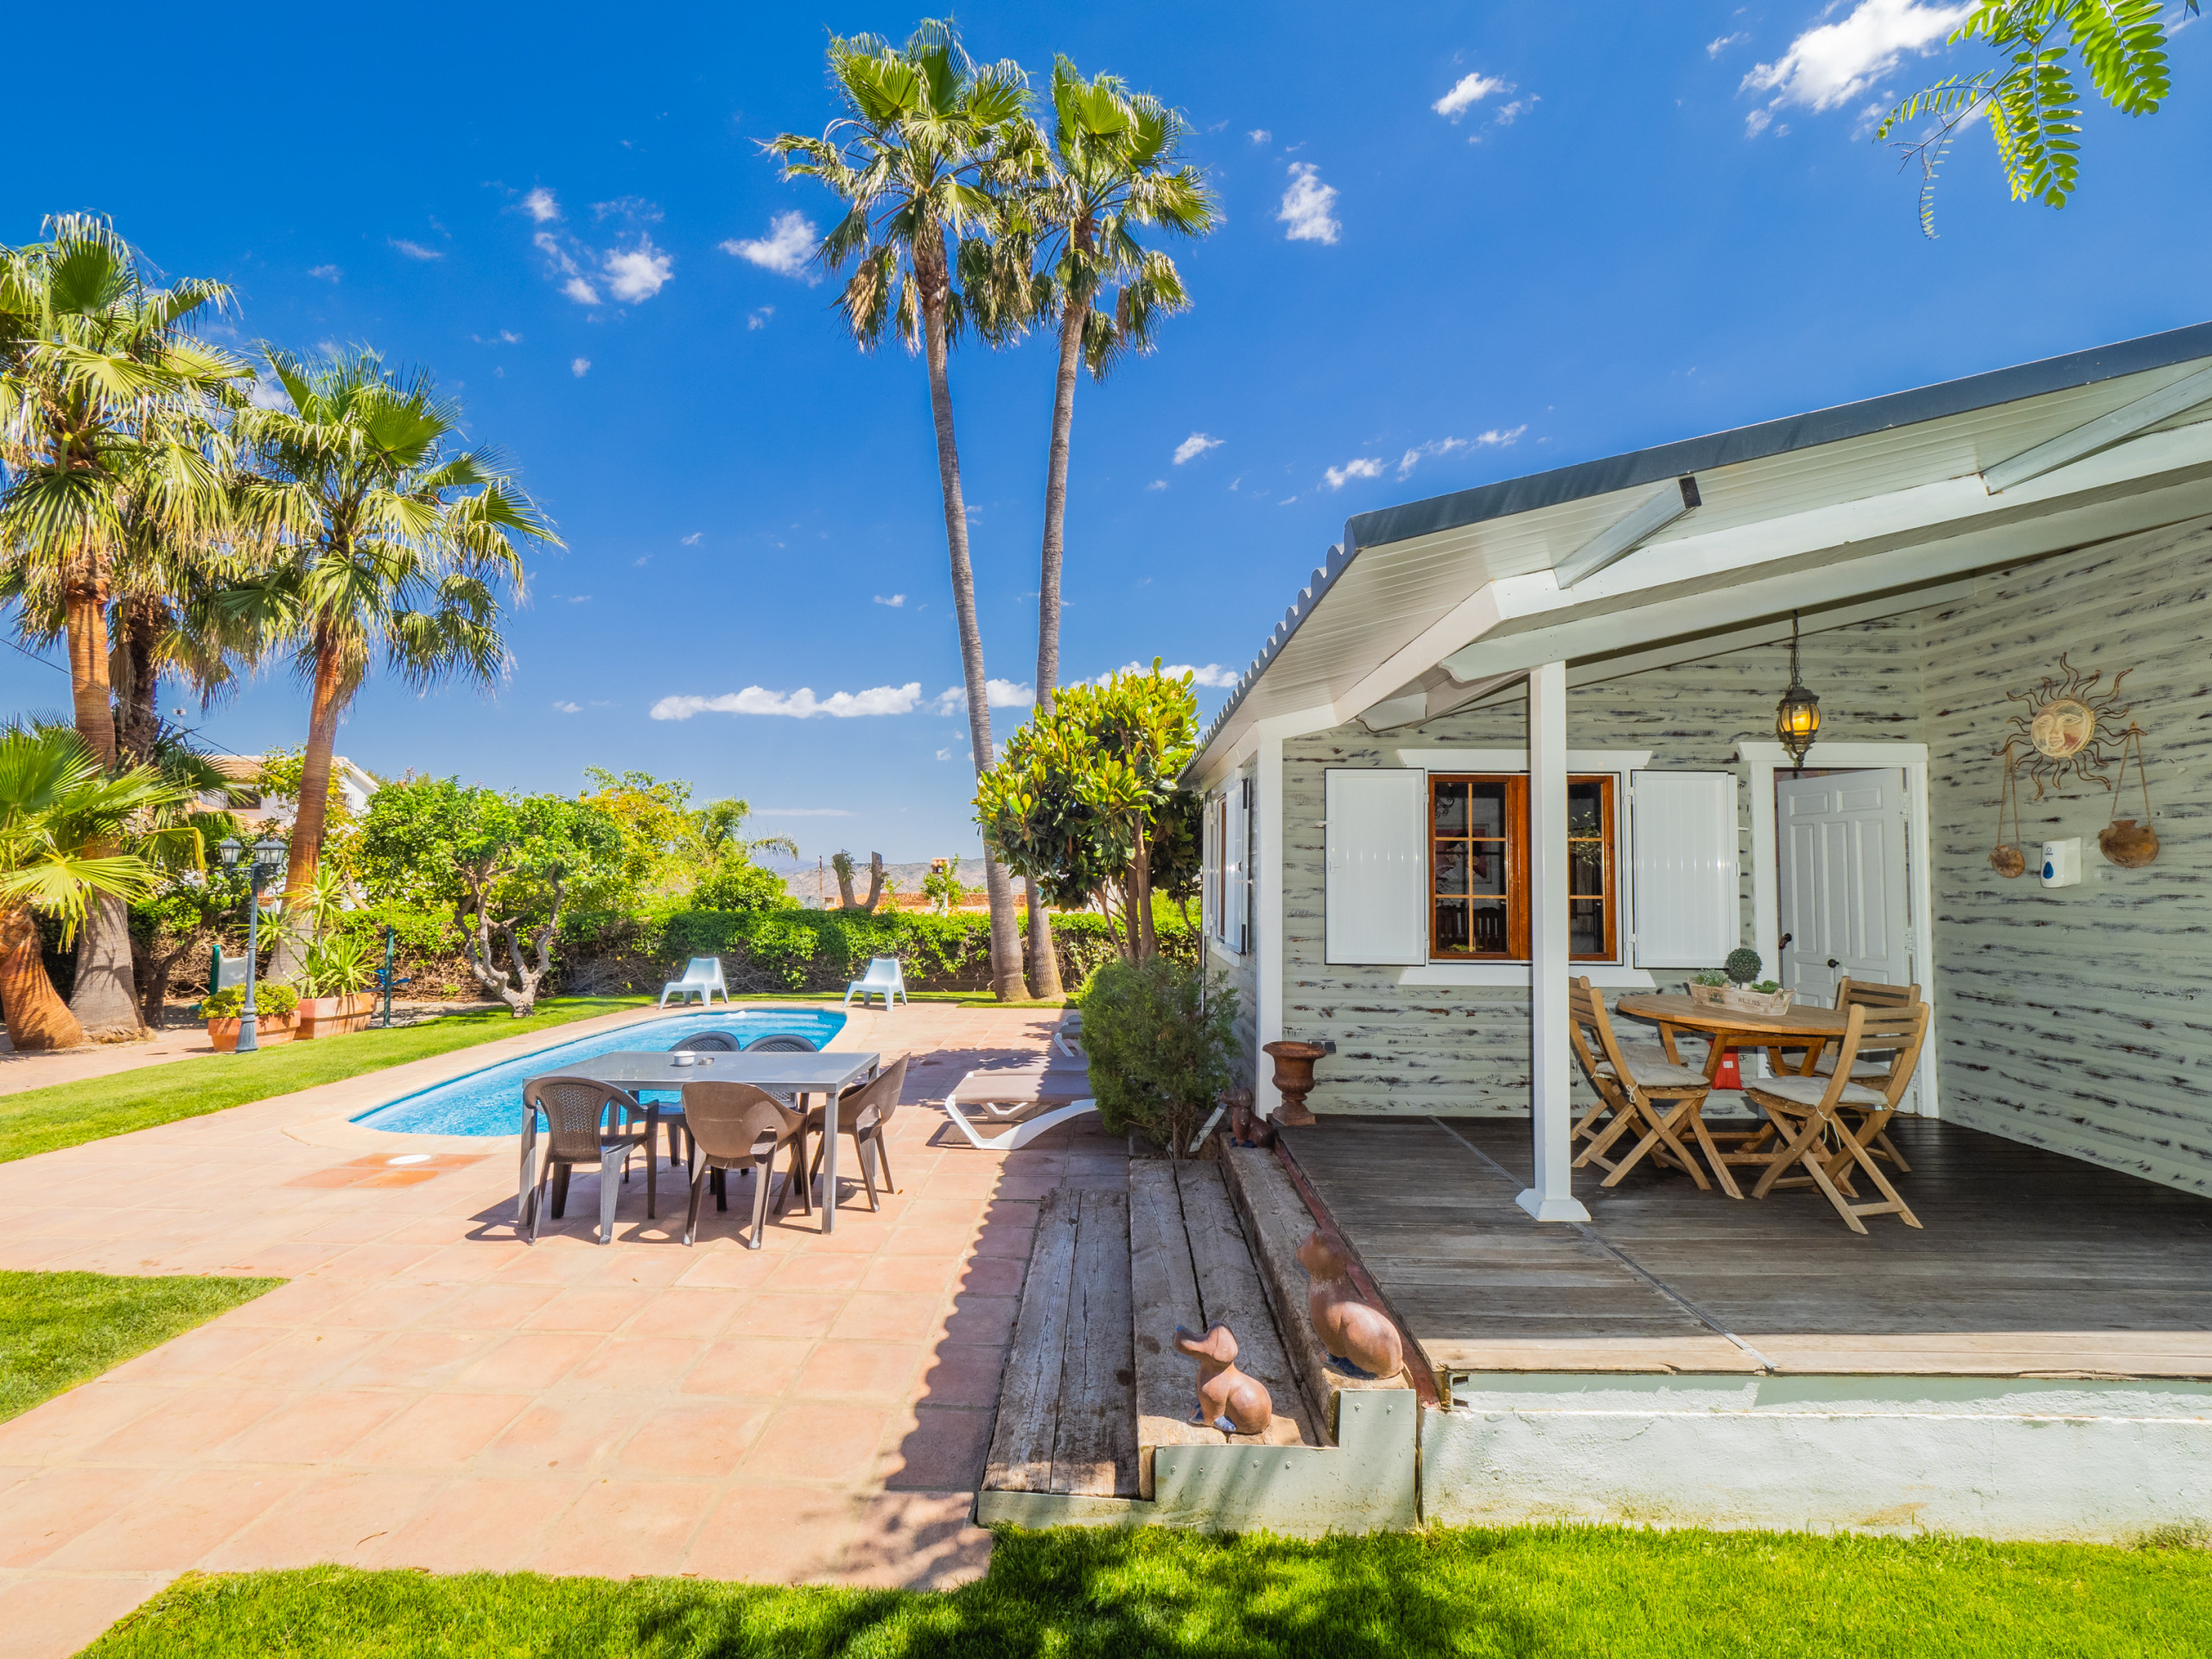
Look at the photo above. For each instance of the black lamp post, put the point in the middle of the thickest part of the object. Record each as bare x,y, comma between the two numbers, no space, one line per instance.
262,866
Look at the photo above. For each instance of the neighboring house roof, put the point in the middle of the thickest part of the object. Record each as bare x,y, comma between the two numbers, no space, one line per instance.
356,781
1418,599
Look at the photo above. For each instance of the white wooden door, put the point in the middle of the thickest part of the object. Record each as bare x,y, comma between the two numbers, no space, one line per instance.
1842,840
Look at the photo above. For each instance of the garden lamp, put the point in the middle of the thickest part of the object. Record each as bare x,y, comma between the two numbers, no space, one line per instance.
1797,716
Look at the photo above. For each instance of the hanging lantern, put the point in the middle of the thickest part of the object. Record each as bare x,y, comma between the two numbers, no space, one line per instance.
1797,716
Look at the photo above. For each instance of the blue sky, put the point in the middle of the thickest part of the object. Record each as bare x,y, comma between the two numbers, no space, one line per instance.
1461,243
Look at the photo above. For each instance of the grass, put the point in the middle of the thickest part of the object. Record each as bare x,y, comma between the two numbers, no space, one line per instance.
67,1114
57,1329
1592,1591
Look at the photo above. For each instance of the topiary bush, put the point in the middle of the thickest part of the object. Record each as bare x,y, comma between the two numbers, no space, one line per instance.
1159,1038
1742,965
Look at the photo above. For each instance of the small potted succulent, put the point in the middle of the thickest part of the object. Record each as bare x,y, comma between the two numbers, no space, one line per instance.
337,969
276,1015
1731,987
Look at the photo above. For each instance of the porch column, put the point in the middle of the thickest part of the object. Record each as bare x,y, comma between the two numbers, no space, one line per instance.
1263,855
1552,1106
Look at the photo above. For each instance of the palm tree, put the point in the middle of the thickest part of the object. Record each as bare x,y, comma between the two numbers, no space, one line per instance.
1111,169
719,826
915,156
394,542
61,814
95,366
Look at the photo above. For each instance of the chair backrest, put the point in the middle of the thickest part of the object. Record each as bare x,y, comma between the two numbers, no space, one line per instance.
1873,993
708,1042
576,1108
872,1105
708,968
1586,1008
783,1042
882,971
1898,1030
730,1120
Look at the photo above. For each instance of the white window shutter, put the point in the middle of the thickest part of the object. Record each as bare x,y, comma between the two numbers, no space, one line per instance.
1236,877
1376,863
1208,868
1682,852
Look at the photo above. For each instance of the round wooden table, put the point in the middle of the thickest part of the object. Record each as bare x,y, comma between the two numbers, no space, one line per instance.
1810,1028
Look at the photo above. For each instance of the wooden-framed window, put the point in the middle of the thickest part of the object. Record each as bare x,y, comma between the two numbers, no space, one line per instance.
1479,867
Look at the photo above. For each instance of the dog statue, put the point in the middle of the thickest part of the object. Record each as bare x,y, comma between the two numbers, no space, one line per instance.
1232,1402
1361,1341
1246,1128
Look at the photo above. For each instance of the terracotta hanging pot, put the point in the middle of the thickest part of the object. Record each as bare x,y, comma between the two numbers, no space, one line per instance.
2006,858
2127,842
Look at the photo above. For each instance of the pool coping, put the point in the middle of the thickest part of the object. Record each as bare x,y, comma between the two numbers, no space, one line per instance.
338,1131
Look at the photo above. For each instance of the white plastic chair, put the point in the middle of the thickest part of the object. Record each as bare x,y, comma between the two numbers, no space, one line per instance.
704,975
882,977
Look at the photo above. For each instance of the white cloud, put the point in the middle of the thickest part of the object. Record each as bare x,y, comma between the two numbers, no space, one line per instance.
787,250
1494,438
328,273
415,250
802,812
1469,91
944,754
541,205
1715,49
897,601
580,366
1337,477
569,708
505,337
1509,113
1212,674
692,540
760,318
801,704
1194,446
1835,62
1000,694
1157,484
268,392
581,291
638,273
1306,205
1259,135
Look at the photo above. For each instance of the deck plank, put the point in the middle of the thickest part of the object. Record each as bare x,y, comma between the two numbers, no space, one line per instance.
1229,1293
1094,1453
1021,1457
1164,1288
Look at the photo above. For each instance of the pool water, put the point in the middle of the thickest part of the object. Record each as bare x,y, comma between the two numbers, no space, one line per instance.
489,1101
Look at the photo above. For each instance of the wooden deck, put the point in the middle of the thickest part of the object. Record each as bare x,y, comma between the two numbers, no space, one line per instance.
2028,1263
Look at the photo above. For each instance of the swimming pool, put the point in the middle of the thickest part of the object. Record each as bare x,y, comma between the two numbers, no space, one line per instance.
489,1101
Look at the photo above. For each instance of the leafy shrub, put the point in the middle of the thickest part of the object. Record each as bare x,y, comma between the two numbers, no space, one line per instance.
1160,1039
270,998
338,966
740,884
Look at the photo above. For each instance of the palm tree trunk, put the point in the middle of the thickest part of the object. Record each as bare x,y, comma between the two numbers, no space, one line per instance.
138,683
313,808
37,1018
1006,937
105,1000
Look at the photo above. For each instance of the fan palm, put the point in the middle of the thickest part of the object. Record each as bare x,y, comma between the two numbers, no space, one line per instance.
915,156
394,542
60,813
96,366
1111,169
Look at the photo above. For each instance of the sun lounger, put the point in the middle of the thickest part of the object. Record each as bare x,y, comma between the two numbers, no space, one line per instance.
703,975
882,979
1027,1100
1067,1036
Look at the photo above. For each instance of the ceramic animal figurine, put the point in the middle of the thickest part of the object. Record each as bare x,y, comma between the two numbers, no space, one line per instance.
1244,1129
1361,1341
1232,1402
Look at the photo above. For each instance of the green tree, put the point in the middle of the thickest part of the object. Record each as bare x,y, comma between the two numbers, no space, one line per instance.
1110,169
100,386
397,543
506,865
1086,798
657,828
61,815
2030,102
915,156
727,877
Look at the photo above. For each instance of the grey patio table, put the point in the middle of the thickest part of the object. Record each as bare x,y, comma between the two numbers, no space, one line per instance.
783,1073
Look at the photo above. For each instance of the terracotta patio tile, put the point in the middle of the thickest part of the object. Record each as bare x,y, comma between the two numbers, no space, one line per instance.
769,1534
881,1371
627,1528
478,1524
530,1359
206,1350
339,1518
943,1212
755,1368
999,1240
60,1428
992,1276
602,1310
1029,1186
963,1374
766,1315
702,1439
569,1436
984,1320
489,1307
939,1450
380,1261
961,1181
909,1275
916,1540
53,1616
363,1226
39,1516
188,1423
680,1311
938,1242
834,1445
648,1261
719,1264
869,1317
439,1431
631,1364
313,1428
466,1264
301,1360
172,1525
416,1359
812,1272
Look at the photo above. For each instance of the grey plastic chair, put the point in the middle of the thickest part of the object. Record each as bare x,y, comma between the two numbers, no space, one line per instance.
708,1042
864,1111
736,1126
783,1042
578,1133
679,1134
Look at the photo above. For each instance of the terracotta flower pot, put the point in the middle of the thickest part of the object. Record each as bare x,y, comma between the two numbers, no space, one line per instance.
269,1031
331,1016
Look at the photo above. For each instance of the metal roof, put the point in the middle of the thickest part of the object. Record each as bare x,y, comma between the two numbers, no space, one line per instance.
1640,468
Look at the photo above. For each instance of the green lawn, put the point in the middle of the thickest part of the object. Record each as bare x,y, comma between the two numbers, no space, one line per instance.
44,1120
57,1329
1598,1592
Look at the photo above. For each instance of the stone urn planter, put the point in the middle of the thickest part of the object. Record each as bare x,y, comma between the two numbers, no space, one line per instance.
1294,1078
270,1030
330,1016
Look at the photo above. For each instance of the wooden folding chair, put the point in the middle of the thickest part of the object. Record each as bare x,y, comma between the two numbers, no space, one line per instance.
1639,1086
1827,1124
1872,1070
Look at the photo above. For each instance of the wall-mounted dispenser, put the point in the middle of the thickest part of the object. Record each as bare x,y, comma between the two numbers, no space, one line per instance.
2062,862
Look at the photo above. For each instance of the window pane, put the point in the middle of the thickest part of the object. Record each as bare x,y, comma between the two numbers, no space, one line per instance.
1586,866
1586,812
1451,809
1490,929
1486,809
1451,867
1452,925
1488,862
1586,927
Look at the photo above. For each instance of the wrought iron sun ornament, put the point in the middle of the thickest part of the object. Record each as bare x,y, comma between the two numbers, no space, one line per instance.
2065,724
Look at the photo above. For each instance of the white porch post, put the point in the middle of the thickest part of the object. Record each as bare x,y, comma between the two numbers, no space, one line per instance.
1264,857
1552,1108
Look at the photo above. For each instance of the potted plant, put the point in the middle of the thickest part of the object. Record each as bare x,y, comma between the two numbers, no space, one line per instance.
276,1009
1731,987
337,1001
